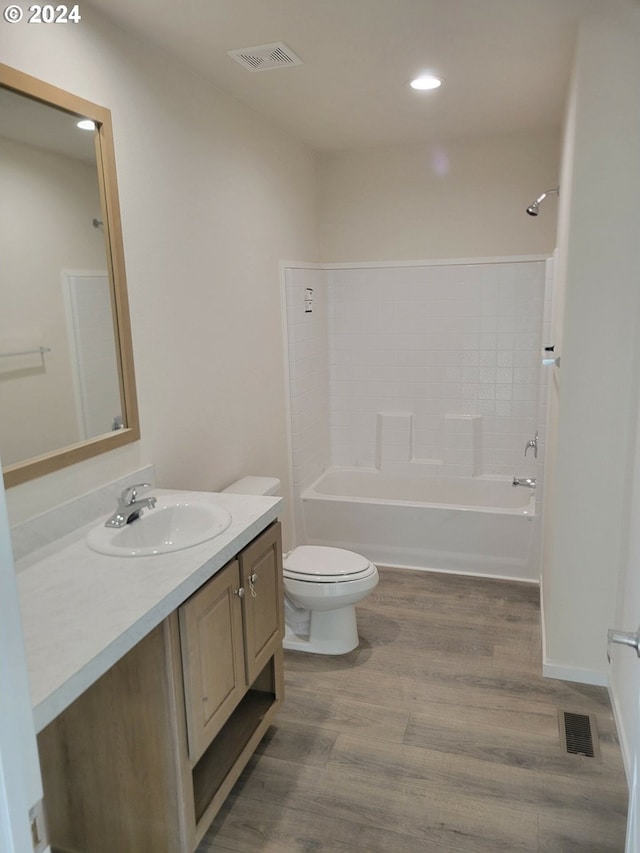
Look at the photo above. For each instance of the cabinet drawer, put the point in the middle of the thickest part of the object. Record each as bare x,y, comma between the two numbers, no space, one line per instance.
212,656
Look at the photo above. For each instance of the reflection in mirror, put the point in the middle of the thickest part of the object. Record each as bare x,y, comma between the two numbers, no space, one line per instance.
66,373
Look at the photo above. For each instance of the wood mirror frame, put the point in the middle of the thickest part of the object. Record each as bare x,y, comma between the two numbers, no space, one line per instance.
38,466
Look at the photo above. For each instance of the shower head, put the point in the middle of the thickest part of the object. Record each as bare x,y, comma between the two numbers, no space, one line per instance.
534,208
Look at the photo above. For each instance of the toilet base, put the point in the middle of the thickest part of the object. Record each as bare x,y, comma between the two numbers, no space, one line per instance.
332,632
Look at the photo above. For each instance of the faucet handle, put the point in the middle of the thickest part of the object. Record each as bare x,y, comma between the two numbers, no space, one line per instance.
533,442
130,494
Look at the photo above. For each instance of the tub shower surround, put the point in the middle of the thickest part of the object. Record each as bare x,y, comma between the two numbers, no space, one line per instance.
436,342
308,367
425,371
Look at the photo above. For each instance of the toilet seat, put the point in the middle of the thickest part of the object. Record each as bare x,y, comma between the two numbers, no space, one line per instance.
322,564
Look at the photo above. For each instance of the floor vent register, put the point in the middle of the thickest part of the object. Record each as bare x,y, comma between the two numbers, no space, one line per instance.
579,734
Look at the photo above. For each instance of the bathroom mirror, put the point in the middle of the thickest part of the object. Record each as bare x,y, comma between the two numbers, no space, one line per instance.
67,385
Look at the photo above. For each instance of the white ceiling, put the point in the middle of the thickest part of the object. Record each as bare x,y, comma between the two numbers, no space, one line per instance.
505,63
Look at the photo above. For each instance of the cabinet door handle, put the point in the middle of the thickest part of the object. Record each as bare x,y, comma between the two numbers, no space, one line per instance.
252,579
239,592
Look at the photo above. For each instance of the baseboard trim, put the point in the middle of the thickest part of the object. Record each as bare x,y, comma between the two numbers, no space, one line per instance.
560,671
627,758
574,673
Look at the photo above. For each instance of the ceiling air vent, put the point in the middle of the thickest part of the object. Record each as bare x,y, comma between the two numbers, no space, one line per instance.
264,57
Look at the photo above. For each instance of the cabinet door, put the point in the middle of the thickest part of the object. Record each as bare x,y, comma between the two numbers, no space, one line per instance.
212,656
261,575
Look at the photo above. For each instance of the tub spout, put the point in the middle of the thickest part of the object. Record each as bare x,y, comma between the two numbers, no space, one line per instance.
529,482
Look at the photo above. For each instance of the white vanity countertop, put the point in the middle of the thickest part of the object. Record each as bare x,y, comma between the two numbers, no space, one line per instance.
82,611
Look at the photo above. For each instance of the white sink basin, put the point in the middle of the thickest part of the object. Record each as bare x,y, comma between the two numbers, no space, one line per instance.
172,525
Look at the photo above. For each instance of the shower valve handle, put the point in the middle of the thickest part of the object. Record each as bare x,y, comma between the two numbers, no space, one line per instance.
532,443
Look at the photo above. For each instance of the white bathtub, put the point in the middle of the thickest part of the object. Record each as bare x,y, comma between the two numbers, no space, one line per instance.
470,526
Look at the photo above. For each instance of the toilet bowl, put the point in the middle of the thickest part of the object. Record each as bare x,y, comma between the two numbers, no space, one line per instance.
322,585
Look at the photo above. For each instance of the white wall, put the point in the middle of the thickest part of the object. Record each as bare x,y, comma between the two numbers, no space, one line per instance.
588,480
20,784
462,199
212,197
625,668
47,205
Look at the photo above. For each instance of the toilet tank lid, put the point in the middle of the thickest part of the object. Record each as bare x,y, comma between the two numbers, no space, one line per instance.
255,486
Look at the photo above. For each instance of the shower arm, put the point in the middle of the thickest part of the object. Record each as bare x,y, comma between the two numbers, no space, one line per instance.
546,193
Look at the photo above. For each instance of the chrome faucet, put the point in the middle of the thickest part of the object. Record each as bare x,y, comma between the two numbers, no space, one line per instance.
533,442
529,482
130,507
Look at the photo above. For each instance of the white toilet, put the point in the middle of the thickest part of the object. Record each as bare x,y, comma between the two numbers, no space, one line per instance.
322,586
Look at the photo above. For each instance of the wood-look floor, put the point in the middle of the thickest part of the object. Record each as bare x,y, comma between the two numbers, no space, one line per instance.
438,733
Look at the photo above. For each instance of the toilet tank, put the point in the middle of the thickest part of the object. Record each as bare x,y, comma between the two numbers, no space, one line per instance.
255,486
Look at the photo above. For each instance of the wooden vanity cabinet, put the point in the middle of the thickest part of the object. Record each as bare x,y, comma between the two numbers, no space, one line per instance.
212,657
144,759
261,577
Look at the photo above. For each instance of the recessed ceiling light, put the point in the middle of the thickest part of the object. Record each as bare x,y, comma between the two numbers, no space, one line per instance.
426,81
86,124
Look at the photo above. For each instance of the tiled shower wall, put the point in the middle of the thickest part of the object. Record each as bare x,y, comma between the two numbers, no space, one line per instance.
420,370
437,342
